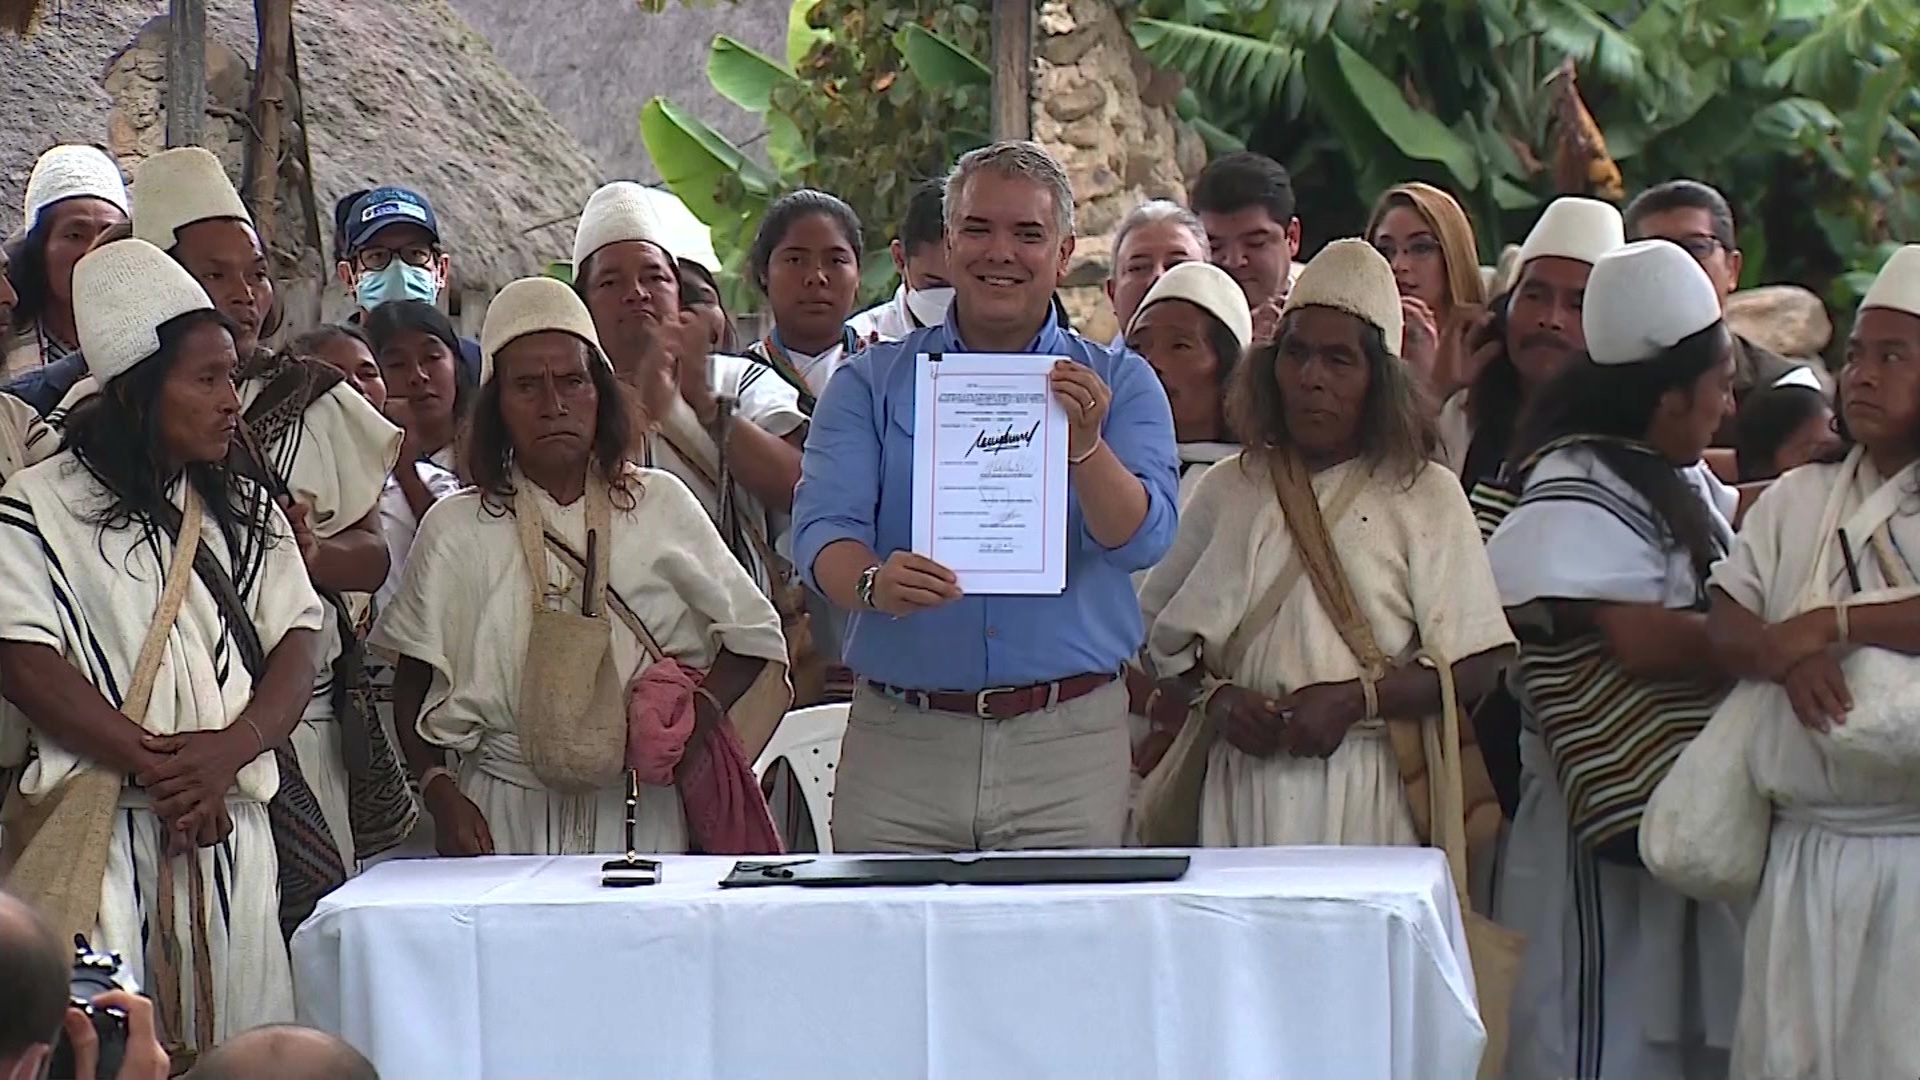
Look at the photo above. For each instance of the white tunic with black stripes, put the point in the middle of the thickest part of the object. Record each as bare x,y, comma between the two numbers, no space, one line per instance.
1623,976
90,594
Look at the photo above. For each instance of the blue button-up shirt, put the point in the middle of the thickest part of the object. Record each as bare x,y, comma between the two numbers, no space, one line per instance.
856,483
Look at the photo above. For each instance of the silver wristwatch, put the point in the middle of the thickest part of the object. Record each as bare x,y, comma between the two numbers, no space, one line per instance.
863,591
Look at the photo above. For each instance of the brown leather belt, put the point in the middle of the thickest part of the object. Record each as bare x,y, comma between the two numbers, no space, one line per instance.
1001,702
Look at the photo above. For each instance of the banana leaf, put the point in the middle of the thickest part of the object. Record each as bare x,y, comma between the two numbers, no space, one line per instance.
937,62
744,75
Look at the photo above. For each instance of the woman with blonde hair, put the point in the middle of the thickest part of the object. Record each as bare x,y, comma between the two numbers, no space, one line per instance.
1426,238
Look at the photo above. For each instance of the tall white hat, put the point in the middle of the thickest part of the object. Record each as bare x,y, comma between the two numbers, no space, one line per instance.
1644,298
530,306
1207,287
71,172
1349,275
1897,286
620,211
1574,228
177,188
123,293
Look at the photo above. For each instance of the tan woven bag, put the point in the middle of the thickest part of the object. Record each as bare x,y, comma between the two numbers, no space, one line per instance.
572,714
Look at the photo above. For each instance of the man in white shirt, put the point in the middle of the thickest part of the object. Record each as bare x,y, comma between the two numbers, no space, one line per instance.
1155,237
920,255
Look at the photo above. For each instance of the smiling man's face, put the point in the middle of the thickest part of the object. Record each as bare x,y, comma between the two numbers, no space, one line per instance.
1005,251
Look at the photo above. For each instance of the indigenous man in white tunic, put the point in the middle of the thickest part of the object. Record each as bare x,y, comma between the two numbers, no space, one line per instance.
1833,942
550,450
1526,338
158,636
727,426
1337,445
1618,524
316,443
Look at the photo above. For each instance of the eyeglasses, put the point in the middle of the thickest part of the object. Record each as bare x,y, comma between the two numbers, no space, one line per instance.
377,258
1700,245
1422,247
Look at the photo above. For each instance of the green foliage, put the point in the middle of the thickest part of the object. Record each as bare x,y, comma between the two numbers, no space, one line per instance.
872,97
1803,112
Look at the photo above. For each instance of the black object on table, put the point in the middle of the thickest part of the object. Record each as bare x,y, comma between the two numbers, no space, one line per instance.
982,869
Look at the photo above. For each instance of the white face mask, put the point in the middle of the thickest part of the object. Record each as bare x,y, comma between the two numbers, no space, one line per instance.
930,305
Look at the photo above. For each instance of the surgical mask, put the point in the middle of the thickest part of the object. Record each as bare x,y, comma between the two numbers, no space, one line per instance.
930,305
397,281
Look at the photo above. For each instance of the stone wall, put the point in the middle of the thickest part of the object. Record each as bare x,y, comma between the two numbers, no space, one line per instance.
1107,113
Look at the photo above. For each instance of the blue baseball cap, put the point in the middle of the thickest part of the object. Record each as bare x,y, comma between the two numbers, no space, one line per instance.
384,206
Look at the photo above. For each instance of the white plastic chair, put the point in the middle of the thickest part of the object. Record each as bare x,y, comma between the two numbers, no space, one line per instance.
809,740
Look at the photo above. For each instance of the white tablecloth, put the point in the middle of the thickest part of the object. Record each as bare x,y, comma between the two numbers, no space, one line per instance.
1266,963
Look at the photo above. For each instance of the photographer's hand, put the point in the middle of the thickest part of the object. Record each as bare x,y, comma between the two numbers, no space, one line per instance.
144,1059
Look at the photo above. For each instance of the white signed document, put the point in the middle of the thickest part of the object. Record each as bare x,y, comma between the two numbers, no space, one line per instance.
990,472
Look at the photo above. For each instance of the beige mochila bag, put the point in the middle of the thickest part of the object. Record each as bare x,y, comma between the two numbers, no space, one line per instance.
572,715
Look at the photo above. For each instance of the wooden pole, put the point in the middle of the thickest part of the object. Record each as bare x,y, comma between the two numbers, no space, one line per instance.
1012,36
273,20
186,102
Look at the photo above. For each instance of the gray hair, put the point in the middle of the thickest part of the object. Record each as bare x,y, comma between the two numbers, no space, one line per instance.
1155,212
1021,158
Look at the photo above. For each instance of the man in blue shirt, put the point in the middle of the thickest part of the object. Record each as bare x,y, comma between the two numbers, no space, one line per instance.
987,722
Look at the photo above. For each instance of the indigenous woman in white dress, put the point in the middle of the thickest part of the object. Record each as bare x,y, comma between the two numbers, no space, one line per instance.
552,434
1833,942
1330,416
806,261
1612,540
162,793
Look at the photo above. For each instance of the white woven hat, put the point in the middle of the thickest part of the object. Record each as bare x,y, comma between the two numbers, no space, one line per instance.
1349,275
620,211
1207,287
71,172
123,293
529,306
1897,286
687,236
177,188
1644,298
1574,228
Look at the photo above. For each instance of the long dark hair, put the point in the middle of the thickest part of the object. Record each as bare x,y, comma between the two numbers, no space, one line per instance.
27,272
486,453
693,274
115,434
1395,430
395,317
1616,403
1768,419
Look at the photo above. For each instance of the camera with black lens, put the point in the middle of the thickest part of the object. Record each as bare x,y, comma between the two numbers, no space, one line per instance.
94,973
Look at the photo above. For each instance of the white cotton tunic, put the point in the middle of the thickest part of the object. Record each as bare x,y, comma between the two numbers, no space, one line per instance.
1622,977
336,461
463,611
1455,428
1833,943
1414,558
91,596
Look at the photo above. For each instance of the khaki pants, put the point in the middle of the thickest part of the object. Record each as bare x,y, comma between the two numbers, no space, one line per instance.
912,780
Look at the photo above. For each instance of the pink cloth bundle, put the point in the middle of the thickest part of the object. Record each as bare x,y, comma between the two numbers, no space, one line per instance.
726,813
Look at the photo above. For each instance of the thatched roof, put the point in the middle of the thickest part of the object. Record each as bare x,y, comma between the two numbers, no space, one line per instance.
596,66
395,90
